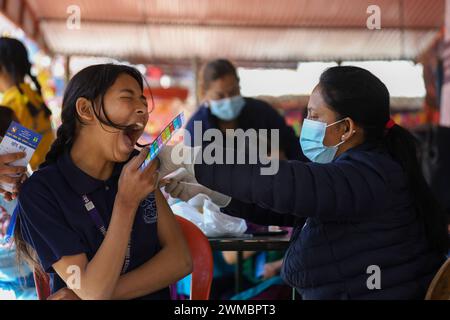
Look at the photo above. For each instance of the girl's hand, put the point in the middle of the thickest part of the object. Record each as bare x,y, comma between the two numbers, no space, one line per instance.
136,184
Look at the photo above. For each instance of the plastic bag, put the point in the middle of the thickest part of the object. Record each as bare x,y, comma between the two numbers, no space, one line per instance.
206,215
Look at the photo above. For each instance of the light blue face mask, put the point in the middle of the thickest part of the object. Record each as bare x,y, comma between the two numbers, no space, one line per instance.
227,109
311,141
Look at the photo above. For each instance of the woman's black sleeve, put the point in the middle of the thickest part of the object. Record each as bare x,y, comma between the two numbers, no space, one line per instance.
260,215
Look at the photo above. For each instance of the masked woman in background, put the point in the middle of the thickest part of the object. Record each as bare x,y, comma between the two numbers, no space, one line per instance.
224,108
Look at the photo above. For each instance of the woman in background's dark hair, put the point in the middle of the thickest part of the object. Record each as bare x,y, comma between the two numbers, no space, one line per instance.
356,93
214,70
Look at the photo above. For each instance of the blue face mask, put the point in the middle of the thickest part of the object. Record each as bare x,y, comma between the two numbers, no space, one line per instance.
311,141
227,109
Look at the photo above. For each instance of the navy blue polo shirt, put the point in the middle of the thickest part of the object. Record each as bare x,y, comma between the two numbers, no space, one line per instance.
55,222
256,114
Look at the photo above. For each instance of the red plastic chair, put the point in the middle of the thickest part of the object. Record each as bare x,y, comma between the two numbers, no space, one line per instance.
439,288
202,274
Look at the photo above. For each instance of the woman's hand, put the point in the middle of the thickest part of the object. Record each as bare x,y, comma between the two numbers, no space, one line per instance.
136,184
271,269
178,156
182,185
64,294
6,170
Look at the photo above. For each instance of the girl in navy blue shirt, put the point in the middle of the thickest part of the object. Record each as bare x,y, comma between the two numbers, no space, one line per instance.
90,216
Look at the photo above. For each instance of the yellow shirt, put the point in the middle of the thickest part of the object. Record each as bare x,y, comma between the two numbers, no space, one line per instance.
41,123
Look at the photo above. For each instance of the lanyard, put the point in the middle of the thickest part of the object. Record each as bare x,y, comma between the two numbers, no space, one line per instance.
97,219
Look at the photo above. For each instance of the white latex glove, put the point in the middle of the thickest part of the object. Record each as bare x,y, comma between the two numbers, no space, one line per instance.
183,185
178,156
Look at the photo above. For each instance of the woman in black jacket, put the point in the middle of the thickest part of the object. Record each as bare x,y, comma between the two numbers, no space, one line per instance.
373,228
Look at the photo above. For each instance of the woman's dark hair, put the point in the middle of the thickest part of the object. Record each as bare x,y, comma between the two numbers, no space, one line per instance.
6,116
90,83
14,60
358,94
215,70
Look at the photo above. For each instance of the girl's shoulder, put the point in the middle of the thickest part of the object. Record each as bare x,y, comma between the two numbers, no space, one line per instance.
43,193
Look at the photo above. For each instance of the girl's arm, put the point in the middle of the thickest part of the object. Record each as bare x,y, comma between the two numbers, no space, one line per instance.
98,277
170,264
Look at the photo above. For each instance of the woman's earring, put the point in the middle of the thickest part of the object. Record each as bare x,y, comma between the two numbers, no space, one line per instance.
343,137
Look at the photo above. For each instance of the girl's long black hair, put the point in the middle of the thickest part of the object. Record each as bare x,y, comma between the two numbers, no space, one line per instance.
356,93
14,60
90,83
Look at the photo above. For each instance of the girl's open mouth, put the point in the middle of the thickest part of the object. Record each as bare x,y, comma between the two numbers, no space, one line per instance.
131,134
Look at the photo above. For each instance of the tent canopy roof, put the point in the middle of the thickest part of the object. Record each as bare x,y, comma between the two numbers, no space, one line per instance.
266,31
